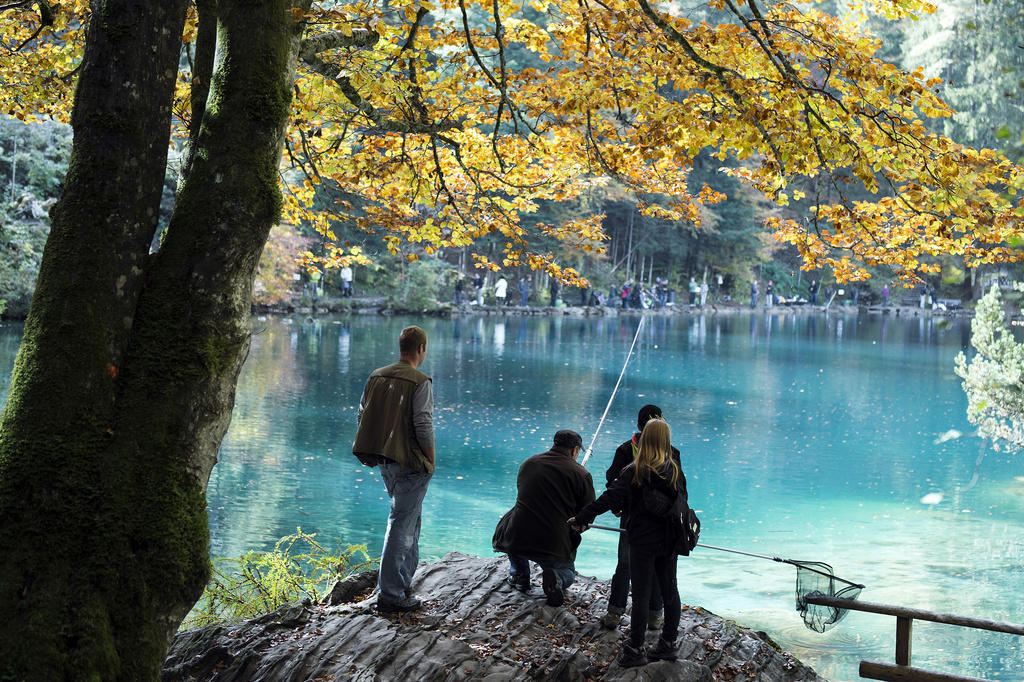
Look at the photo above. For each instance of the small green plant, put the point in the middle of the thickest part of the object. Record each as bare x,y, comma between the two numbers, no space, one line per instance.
261,582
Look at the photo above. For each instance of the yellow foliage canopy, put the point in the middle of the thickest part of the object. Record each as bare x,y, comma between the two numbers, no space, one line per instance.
433,124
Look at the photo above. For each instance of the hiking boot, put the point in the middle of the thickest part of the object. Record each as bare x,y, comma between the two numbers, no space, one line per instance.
664,650
521,583
610,621
656,620
552,588
399,605
631,658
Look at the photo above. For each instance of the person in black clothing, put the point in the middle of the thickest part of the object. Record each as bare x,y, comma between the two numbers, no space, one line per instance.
459,285
552,486
554,288
625,454
478,286
646,492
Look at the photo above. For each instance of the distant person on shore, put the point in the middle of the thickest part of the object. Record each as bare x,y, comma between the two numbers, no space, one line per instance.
552,487
625,455
395,432
625,294
885,295
314,283
812,291
346,282
703,292
645,492
524,292
500,290
478,284
459,286
635,299
694,291
662,291
753,293
553,289
769,294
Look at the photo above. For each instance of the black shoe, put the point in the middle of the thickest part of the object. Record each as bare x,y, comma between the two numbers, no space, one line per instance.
400,605
552,588
520,583
631,658
664,650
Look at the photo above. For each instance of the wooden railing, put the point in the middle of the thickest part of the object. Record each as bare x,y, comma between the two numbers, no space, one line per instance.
902,670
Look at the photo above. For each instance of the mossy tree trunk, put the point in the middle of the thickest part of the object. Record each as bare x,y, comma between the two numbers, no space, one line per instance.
125,380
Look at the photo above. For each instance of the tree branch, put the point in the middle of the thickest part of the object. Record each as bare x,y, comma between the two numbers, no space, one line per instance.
322,42
309,53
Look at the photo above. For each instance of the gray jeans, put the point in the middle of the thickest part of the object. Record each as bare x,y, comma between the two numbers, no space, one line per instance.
401,553
565,571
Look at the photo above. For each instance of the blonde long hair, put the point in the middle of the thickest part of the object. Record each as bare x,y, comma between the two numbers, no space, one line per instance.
654,450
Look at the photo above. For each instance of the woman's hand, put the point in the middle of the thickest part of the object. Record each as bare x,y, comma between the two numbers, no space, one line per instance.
576,526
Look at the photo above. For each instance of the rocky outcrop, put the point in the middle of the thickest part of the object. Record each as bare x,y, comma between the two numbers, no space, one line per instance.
473,627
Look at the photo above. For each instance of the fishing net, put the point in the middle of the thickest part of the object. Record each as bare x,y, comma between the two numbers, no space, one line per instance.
815,579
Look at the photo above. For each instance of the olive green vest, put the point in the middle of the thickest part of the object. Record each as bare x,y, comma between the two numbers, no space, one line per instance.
385,429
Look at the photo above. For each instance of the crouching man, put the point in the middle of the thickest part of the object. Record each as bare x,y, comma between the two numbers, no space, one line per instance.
552,487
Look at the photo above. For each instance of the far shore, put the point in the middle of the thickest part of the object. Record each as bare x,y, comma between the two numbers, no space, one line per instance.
380,306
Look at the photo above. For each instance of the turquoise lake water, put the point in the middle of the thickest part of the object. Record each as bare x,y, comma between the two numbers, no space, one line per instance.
802,436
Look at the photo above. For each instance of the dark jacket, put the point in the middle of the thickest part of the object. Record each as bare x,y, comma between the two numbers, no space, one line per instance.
552,488
646,521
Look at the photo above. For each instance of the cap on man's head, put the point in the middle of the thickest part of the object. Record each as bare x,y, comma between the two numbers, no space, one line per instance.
647,413
567,438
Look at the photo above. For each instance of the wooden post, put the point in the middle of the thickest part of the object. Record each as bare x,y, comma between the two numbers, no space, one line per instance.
904,627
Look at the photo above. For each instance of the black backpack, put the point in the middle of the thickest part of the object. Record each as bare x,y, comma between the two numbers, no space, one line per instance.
685,522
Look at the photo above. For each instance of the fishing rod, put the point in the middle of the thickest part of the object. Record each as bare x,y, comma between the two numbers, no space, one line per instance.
590,449
798,564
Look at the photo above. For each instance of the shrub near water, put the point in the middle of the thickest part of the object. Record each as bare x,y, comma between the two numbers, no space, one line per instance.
261,582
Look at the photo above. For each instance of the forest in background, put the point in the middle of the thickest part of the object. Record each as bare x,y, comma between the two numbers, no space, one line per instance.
973,46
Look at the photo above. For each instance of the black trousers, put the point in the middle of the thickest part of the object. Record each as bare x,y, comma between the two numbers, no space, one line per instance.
620,583
645,570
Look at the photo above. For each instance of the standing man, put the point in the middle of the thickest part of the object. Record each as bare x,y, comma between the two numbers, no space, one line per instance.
478,285
552,487
753,293
524,292
346,281
396,433
625,454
